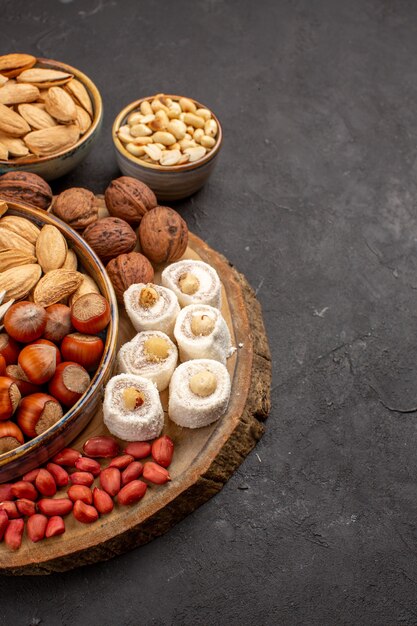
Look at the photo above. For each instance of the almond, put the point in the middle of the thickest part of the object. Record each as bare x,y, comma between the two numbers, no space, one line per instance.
55,285
51,248
83,119
35,116
12,93
19,281
60,105
9,239
80,94
12,123
50,140
14,145
13,258
44,77
10,63
22,227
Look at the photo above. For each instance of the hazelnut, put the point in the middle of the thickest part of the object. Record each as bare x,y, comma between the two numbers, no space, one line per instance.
156,348
148,297
26,188
202,325
163,235
133,398
203,383
188,283
129,269
76,207
129,199
109,237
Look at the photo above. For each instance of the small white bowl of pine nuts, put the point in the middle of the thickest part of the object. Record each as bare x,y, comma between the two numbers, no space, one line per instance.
169,142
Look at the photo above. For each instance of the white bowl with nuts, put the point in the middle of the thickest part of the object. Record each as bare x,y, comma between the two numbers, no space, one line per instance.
50,115
169,142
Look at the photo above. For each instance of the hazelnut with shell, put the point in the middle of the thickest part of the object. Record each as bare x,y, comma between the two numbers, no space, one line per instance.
128,269
26,188
163,235
129,199
77,207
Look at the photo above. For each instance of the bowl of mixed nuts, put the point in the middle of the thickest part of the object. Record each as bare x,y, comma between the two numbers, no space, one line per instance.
169,142
58,334
50,115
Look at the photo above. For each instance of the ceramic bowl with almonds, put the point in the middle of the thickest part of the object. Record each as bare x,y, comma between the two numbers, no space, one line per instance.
59,325
50,115
169,142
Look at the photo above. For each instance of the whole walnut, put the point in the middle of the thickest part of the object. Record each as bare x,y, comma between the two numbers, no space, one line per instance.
163,235
76,206
109,237
26,188
128,269
129,199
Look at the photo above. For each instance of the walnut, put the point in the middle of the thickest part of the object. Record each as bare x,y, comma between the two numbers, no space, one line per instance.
26,188
77,207
109,237
163,235
129,199
128,269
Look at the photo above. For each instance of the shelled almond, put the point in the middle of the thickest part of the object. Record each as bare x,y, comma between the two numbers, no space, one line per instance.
42,110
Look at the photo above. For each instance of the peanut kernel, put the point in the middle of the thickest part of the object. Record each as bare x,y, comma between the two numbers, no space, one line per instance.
202,325
148,296
156,348
188,283
203,383
133,398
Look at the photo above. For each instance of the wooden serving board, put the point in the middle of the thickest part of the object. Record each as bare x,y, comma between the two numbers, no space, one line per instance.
203,460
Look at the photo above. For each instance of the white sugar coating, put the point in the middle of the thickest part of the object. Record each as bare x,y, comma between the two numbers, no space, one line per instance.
209,291
186,408
159,316
142,424
132,359
217,345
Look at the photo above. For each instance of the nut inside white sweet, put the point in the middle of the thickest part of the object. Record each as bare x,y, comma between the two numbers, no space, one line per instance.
156,348
189,283
148,297
202,324
203,383
133,398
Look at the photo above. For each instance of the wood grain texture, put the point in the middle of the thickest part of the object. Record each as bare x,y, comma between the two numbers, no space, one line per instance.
206,458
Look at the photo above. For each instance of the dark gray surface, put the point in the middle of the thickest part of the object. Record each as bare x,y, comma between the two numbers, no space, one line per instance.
315,202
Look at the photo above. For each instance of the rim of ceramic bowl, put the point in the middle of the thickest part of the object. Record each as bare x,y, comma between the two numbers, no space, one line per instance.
45,438
98,114
121,117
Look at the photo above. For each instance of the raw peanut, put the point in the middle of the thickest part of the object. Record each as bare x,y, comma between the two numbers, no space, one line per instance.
56,526
55,506
82,478
88,465
154,152
26,507
36,527
195,153
137,151
121,462
84,513
140,130
198,135
31,476
101,447
110,480
145,108
155,473
132,472
187,105
80,492
45,483
10,508
162,450
177,128
167,139
24,489
6,492
207,142
204,113
210,128
4,522
14,533
102,501
170,157
190,119
132,492
138,449
67,457
60,475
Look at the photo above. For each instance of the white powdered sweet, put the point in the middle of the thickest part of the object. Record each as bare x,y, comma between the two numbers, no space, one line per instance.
141,424
133,358
159,316
209,286
217,344
191,410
